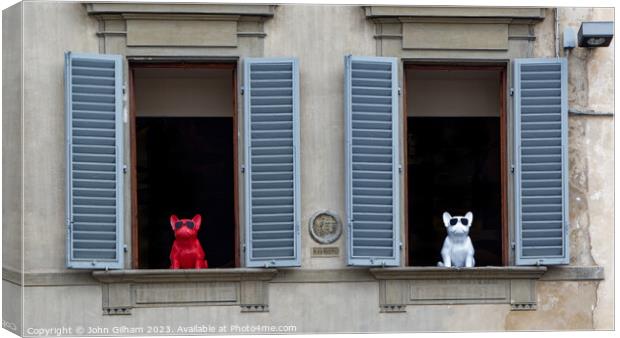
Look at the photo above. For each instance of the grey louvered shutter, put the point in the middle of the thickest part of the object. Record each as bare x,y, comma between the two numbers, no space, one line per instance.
541,141
372,174
271,109
94,107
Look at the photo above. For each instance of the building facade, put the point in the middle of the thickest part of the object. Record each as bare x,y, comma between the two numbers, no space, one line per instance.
321,145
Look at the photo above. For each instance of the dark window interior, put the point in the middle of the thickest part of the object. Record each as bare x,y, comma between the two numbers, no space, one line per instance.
185,167
454,166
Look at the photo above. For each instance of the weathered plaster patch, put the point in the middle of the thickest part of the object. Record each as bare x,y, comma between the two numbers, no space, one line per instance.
561,306
579,218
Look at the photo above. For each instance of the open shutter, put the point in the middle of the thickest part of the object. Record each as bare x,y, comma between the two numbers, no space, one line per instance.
372,186
541,128
271,111
94,107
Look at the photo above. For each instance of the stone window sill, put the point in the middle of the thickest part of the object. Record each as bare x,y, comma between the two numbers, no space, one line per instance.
123,290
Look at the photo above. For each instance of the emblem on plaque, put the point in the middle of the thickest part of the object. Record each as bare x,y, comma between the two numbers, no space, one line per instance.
325,227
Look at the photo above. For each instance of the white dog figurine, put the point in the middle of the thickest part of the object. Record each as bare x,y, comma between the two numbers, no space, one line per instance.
457,249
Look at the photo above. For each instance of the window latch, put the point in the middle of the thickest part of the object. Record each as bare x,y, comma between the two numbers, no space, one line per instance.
512,168
124,168
242,168
512,92
242,90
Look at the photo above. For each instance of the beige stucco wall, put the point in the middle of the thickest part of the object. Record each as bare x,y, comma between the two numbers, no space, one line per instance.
319,36
12,159
12,137
308,306
52,29
591,158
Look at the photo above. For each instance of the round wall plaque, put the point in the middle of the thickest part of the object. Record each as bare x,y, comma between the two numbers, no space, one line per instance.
325,227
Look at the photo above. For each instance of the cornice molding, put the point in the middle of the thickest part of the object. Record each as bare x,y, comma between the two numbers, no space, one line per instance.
459,273
104,8
406,13
183,275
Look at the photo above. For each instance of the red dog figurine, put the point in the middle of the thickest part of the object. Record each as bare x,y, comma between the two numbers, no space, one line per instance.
186,251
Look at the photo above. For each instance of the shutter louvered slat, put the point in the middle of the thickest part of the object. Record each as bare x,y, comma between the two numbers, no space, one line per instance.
93,85
272,209
372,160
541,123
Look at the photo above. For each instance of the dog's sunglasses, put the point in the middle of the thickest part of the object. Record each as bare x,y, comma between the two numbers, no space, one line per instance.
455,220
179,224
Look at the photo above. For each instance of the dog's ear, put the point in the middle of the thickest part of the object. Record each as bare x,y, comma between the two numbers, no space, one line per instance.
446,219
173,220
470,217
197,220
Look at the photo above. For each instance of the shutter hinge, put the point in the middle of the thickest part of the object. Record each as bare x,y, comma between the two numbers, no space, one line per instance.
399,91
400,169
242,90
243,247
124,168
400,246
124,89
125,248
513,245
512,92
242,168
512,168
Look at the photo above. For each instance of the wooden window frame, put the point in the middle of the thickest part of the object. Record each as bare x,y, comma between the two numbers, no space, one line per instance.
132,65
502,69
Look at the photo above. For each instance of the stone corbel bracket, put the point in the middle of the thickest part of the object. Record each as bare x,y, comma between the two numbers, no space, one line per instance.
399,287
123,290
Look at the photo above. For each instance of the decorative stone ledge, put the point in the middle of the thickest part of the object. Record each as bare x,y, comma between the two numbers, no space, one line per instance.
469,12
399,287
179,8
123,290
574,273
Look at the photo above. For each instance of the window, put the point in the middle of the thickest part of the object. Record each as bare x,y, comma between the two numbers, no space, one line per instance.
272,204
93,103
456,154
183,160
184,135
372,162
455,160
